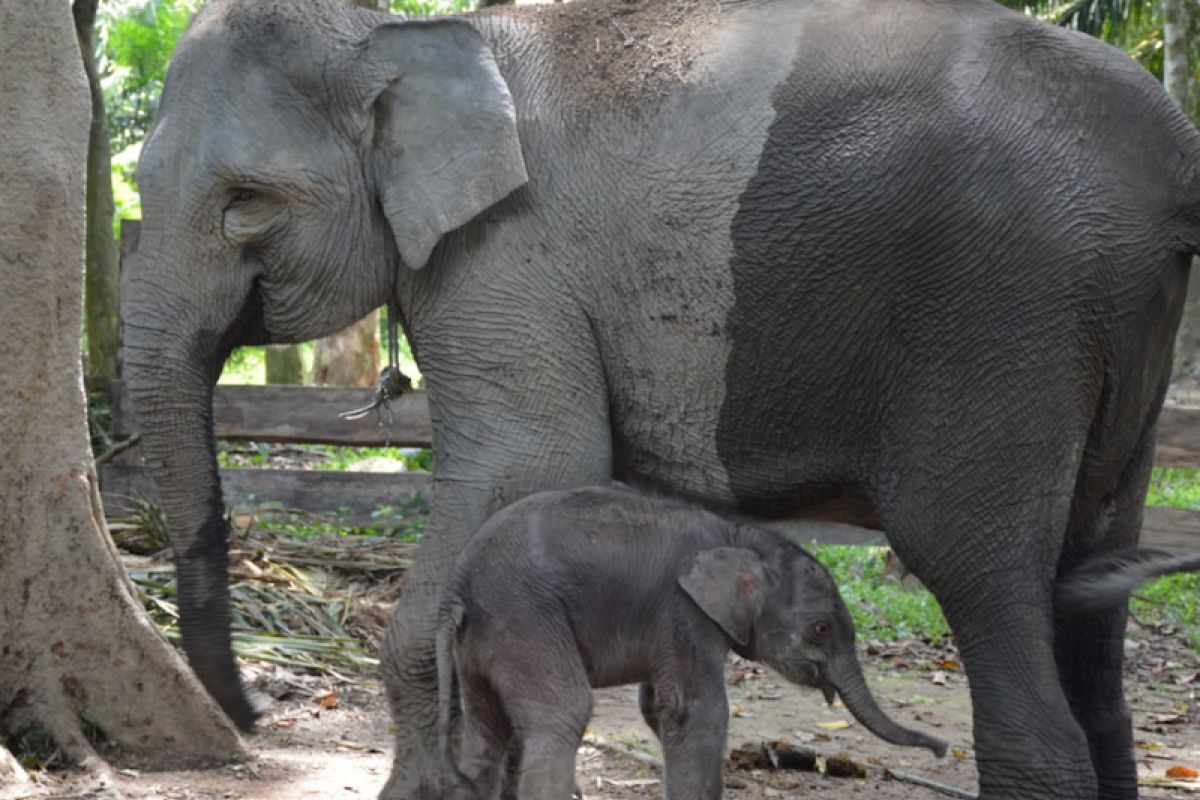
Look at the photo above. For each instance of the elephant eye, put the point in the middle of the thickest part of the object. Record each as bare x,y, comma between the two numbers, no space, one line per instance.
244,195
819,629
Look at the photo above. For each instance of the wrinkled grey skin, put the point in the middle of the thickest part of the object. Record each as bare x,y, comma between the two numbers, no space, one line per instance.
925,257
567,590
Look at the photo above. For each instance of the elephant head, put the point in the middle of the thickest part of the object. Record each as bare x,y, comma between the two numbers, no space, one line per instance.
786,611
305,154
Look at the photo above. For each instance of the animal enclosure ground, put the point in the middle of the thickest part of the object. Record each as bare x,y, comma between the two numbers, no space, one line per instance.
340,748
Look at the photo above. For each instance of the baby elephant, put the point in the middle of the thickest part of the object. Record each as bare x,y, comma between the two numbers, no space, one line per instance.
568,590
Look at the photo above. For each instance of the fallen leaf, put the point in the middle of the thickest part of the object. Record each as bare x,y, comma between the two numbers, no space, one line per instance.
1183,773
328,700
940,678
948,664
958,753
1166,719
835,725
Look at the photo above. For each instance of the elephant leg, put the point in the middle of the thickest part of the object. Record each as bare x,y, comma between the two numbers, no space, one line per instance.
409,669
1091,650
548,716
486,738
408,666
690,714
983,532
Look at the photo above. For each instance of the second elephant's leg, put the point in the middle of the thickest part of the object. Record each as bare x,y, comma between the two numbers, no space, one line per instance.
486,736
983,532
409,671
1091,649
686,705
549,713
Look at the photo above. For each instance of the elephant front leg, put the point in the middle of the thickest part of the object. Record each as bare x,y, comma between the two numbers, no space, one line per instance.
686,707
408,665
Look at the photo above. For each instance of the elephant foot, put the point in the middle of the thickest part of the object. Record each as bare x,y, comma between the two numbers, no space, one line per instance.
412,784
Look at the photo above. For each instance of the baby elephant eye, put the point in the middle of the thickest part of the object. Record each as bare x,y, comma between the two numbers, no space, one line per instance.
820,629
244,195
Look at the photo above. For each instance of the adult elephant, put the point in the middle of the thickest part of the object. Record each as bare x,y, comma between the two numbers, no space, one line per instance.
926,256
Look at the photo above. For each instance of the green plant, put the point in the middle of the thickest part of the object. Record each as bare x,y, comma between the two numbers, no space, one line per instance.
1172,601
429,8
1175,487
881,607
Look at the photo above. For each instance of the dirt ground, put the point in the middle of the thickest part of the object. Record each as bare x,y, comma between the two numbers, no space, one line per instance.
307,749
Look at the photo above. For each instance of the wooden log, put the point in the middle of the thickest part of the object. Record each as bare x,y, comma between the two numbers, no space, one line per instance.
355,498
352,498
1174,529
302,414
1178,437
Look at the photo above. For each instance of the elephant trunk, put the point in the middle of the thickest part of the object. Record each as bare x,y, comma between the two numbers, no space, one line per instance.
852,688
170,372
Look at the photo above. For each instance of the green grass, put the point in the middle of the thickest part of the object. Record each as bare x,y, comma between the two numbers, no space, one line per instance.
883,610
323,457
1172,601
1177,488
881,607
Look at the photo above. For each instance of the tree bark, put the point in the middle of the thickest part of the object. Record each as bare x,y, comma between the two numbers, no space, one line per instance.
1175,51
284,364
1177,81
101,275
75,641
349,357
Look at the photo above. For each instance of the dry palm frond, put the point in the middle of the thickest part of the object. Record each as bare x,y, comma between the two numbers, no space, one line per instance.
141,529
307,602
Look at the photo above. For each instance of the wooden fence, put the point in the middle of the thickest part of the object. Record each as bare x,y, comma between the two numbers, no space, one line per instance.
309,414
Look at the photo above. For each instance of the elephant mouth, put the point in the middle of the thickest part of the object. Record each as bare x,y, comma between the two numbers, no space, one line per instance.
829,690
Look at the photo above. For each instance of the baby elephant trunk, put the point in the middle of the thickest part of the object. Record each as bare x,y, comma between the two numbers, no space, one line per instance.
852,688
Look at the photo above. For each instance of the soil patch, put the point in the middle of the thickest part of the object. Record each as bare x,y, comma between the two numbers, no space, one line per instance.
314,744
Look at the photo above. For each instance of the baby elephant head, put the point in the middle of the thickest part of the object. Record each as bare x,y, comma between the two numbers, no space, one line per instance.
785,610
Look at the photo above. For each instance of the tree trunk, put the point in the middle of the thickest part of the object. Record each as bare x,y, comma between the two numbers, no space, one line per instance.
349,357
101,274
1177,80
76,643
1175,51
284,364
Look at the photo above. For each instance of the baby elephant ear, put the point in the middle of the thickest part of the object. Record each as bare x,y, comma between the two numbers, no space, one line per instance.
727,583
445,130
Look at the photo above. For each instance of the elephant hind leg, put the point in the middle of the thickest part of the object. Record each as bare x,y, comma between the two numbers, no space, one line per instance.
983,533
1090,650
548,714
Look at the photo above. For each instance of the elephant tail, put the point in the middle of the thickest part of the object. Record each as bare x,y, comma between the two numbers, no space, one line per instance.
450,621
1108,580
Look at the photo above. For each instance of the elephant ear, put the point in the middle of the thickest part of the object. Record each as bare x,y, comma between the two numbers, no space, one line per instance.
727,583
445,130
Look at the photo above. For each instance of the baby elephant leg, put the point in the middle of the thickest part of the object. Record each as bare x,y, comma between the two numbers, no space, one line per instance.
691,716
548,715
486,735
